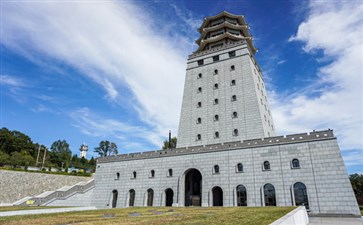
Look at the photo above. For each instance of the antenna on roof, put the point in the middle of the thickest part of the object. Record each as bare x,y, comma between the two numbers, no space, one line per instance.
169,139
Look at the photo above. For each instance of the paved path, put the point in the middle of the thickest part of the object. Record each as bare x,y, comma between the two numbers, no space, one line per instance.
45,211
335,221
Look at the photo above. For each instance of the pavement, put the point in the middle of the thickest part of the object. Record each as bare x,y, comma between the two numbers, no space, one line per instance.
335,221
45,211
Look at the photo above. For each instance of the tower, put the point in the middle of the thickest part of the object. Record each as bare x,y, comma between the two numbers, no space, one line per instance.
224,94
83,149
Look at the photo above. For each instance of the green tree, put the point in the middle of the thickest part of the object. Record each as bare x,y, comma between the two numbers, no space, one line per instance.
15,141
106,148
172,144
92,161
60,153
4,158
357,184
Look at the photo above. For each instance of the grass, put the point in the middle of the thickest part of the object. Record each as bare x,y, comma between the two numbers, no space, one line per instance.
15,208
158,215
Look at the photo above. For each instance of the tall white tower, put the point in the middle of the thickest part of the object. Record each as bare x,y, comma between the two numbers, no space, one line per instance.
83,149
224,94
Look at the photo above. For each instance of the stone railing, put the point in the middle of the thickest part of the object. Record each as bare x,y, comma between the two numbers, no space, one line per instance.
225,46
62,193
278,140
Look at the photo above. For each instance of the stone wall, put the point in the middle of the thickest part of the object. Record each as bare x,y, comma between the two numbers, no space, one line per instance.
16,185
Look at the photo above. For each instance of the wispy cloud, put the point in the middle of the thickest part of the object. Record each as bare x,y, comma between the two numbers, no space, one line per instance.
336,29
11,81
112,43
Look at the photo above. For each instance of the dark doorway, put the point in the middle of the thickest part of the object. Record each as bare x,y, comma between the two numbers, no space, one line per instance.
131,197
270,197
217,196
241,195
301,195
169,195
150,197
193,188
114,198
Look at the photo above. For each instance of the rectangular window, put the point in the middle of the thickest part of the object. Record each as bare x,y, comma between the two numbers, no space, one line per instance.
232,54
200,62
216,58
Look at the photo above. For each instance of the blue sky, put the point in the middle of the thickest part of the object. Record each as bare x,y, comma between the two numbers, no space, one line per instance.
87,71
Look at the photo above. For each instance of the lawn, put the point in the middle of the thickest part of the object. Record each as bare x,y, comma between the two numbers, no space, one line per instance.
159,215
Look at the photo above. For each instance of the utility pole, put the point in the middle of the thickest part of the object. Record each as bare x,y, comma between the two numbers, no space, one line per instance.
36,164
45,153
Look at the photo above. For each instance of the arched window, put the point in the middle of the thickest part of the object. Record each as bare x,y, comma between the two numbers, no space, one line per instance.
114,198
266,165
216,117
134,175
301,195
235,132
216,169
215,71
295,163
132,197
269,194
199,120
199,76
234,98
216,101
216,134
199,89
239,167
234,115
170,172
232,67
117,176
215,86
150,197
199,137
152,173
233,82
241,195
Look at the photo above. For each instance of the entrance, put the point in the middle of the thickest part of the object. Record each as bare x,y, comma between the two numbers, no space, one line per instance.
217,196
169,195
114,198
193,188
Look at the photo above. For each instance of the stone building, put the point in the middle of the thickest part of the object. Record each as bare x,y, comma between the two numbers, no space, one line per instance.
227,152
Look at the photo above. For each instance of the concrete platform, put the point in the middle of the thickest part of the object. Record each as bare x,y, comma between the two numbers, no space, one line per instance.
335,221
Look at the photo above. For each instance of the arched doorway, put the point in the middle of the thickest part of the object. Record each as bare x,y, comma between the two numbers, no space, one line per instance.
217,196
150,197
301,195
169,195
270,196
193,188
132,197
241,195
114,198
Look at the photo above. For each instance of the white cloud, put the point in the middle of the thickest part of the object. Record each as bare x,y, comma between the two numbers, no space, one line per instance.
335,28
113,43
11,81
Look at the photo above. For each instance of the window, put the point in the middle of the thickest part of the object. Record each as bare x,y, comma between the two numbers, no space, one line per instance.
269,194
170,172
235,132
216,135
216,58
199,137
199,89
200,62
117,176
261,101
301,195
200,76
265,117
233,82
266,165
216,101
234,115
215,86
199,120
232,67
232,54
241,195
234,98
134,175
132,197
216,117
150,197
258,87
199,104
239,167
216,169
215,72
152,173
295,163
